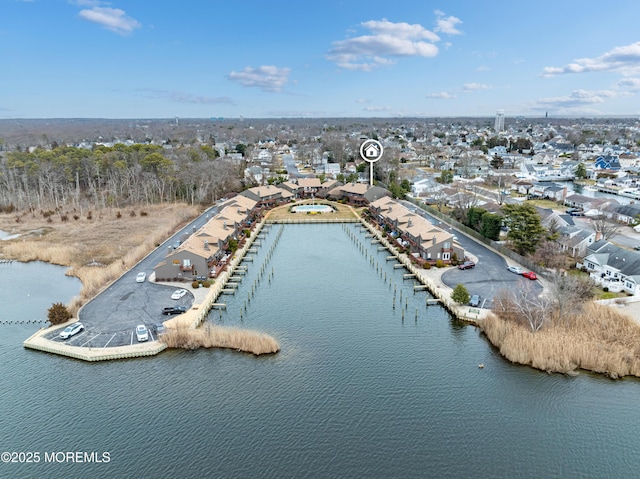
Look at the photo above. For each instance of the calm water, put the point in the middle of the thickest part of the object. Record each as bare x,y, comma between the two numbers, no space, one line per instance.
357,390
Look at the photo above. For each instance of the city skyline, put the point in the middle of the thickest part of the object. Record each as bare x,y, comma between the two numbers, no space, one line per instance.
96,59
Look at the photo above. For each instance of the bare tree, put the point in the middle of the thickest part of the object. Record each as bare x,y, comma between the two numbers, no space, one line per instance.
568,293
523,305
604,227
549,254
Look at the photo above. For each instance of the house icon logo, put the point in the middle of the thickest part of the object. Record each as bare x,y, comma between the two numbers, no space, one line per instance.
371,150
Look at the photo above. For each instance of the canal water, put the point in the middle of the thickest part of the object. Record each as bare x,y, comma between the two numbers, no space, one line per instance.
370,382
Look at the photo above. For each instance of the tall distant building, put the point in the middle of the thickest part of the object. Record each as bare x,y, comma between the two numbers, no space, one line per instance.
499,126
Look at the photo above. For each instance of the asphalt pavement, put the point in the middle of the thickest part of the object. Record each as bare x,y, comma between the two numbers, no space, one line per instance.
489,276
111,317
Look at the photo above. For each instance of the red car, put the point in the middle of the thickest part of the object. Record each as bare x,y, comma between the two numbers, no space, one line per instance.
466,265
530,275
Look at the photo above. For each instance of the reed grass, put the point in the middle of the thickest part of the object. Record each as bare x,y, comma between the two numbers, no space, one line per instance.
599,339
99,249
209,336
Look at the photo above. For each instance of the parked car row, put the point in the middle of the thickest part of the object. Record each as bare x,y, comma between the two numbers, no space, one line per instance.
143,333
527,274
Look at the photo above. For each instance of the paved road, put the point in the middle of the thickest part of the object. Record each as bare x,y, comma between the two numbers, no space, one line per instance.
490,274
111,317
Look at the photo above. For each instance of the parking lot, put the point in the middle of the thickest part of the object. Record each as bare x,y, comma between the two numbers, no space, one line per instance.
110,319
490,274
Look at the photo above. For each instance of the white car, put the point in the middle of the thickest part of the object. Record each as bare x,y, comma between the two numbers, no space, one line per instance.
141,277
178,293
71,330
141,333
515,269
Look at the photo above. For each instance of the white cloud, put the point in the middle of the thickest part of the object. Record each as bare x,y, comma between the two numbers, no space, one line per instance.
624,59
579,101
377,109
266,77
447,24
631,84
469,87
443,95
112,19
388,41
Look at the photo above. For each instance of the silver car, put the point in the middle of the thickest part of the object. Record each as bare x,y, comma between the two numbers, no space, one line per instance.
141,333
515,269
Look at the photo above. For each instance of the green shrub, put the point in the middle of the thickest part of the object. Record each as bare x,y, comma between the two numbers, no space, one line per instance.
439,264
206,283
195,284
460,294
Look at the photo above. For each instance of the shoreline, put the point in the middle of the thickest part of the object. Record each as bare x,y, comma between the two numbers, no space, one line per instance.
601,341
190,321
428,279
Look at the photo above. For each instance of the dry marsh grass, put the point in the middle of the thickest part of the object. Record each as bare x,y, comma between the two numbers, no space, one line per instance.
600,339
99,247
209,336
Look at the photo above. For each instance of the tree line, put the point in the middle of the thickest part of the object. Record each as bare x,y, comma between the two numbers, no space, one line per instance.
114,176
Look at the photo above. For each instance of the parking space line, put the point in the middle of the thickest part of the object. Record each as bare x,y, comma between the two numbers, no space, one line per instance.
114,335
90,339
131,343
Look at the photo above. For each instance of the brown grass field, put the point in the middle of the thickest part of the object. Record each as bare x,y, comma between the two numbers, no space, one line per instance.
209,336
601,340
99,247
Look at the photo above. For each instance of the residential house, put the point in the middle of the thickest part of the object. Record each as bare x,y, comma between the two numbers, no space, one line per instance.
607,162
309,187
267,195
615,268
574,240
254,173
426,242
627,213
523,187
205,252
327,186
359,194
551,220
292,188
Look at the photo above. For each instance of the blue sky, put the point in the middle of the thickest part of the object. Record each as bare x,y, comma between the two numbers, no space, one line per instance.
263,59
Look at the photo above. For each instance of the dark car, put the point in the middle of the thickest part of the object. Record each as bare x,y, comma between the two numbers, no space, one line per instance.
475,300
466,265
159,329
174,310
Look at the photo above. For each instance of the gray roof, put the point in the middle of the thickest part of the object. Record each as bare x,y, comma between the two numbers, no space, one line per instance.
625,261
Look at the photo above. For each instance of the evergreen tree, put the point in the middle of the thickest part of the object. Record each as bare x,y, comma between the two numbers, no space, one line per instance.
525,230
460,294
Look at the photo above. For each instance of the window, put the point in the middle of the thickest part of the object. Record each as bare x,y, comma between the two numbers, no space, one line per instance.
186,263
